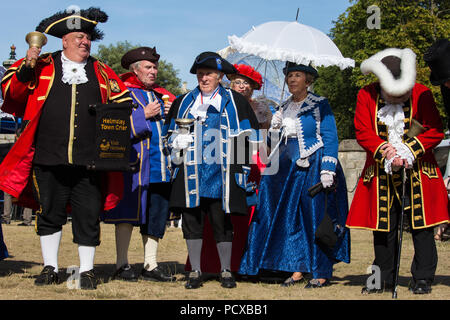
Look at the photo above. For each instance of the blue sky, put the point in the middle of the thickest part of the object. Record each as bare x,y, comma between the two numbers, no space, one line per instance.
180,29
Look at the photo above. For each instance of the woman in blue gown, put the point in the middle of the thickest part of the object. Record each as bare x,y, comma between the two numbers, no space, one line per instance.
282,234
3,250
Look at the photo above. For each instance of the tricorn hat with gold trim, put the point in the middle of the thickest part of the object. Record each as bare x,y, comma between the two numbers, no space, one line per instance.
212,60
68,21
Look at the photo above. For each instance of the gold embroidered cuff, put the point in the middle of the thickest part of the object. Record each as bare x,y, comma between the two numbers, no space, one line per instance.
415,146
377,156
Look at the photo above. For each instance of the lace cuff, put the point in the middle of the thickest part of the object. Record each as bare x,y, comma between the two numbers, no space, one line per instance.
403,152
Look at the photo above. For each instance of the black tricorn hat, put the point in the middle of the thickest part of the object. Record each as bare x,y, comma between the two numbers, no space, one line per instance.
437,58
291,66
212,60
68,21
138,54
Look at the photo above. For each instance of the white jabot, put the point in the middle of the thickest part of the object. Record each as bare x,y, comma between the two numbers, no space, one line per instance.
73,72
393,117
202,103
290,117
292,109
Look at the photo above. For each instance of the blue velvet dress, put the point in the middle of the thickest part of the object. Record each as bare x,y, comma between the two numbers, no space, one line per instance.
3,250
282,232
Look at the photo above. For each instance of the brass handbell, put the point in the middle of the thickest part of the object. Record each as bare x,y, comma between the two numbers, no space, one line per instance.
35,39
184,121
184,124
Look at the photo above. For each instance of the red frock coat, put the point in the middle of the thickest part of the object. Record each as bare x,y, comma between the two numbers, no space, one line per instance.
374,195
26,100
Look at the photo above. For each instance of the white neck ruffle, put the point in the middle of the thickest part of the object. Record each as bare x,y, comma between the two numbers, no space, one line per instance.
393,117
73,72
203,102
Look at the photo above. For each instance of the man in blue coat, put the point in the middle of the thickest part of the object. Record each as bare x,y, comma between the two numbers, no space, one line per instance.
147,189
211,161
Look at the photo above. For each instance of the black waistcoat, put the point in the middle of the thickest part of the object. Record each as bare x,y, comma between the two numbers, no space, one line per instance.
66,132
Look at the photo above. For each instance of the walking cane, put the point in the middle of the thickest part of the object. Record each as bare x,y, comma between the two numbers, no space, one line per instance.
400,235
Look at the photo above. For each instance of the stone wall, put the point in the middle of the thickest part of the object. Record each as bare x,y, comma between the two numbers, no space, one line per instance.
352,158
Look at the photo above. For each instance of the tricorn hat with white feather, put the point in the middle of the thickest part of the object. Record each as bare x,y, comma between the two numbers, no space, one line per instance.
64,22
395,68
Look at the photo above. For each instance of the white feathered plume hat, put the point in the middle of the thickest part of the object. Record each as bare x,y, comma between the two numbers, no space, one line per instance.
395,68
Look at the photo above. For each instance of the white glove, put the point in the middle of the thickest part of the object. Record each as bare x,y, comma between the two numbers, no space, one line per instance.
289,127
403,152
277,120
327,178
182,141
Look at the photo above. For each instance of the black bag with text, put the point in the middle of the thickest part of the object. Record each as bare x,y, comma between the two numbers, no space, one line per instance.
112,141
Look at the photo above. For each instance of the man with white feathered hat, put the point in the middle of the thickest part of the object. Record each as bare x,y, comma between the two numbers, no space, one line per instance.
398,124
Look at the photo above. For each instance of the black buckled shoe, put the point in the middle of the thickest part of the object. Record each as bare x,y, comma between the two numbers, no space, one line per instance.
125,273
420,287
227,280
315,283
47,276
88,280
156,275
194,280
289,282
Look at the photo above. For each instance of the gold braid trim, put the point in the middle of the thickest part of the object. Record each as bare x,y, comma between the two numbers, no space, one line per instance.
415,146
101,69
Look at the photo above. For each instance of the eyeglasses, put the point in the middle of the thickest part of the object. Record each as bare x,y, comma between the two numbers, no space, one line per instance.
239,82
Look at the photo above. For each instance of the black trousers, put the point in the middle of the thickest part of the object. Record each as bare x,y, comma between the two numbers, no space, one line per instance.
425,259
193,220
56,187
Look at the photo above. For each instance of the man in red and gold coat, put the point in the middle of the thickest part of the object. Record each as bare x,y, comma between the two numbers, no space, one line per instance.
386,112
47,167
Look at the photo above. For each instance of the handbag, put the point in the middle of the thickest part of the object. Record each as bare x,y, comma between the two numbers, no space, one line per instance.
112,137
327,233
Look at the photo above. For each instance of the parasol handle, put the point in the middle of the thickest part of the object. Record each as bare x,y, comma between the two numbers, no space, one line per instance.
282,90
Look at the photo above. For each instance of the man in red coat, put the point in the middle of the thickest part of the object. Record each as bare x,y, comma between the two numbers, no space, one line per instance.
58,141
386,112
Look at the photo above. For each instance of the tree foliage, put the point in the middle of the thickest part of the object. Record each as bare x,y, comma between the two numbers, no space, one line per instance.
112,54
404,24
